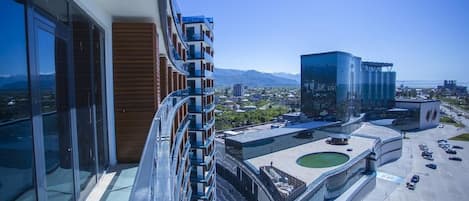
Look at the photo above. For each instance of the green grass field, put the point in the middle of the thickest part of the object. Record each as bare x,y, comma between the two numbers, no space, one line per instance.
462,137
322,160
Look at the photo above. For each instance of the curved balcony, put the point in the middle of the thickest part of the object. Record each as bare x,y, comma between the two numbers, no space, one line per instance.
200,38
203,126
153,180
204,144
205,160
201,91
171,49
205,178
199,109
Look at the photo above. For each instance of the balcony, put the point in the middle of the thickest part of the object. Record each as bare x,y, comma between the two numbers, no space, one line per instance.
198,55
200,73
199,109
203,144
200,37
201,91
205,177
154,172
202,127
205,195
199,19
205,160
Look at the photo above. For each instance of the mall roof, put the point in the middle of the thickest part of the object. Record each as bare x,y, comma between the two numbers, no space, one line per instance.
254,136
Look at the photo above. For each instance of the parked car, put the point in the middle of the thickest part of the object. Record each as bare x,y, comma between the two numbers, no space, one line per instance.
430,158
451,151
455,158
426,153
431,165
457,147
410,186
442,141
415,179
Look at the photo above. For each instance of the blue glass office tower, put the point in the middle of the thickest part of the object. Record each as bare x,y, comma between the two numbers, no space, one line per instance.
337,85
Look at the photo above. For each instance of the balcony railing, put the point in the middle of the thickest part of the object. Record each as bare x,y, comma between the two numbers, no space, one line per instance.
199,19
206,195
205,126
205,160
200,55
203,144
205,177
199,109
154,180
200,37
201,91
200,73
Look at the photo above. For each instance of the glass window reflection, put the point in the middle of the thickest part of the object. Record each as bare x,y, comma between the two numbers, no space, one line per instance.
16,154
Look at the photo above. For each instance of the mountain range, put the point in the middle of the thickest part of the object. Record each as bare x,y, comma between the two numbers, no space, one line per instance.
252,78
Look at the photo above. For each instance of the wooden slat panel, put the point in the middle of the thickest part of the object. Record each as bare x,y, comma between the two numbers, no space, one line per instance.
136,97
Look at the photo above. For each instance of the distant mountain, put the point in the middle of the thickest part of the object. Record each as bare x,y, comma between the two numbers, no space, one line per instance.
20,82
229,77
291,76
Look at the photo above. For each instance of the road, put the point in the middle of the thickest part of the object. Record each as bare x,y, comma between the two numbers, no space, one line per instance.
447,182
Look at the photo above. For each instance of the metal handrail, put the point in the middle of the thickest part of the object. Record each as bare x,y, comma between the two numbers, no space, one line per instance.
153,180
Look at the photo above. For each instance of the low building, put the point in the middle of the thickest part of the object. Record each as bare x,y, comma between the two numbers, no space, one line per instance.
425,112
276,164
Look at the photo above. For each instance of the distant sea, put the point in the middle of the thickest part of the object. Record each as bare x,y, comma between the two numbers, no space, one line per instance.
426,83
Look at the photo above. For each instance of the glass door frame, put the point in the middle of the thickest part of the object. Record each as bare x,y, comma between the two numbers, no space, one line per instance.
39,20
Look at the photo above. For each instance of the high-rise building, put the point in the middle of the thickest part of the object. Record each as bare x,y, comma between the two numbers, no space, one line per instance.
338,85
88,85
199,33
238,90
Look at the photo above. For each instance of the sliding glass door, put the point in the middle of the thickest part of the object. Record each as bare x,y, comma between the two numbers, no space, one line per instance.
51,92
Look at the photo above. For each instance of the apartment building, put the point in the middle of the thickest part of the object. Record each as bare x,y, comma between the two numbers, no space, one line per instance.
86,85
199,33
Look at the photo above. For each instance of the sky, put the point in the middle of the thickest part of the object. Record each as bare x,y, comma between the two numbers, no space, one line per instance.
425,39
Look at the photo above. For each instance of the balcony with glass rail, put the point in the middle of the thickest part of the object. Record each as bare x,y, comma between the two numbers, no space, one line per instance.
199,38
155,178
201,109
204,161
201,91
204,143
208,21
202,126
200,55
206,195
205,177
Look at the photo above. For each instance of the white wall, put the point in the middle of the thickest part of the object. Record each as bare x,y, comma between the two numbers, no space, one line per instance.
430,108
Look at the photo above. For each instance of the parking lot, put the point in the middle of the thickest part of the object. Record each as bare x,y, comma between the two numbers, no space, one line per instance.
448,182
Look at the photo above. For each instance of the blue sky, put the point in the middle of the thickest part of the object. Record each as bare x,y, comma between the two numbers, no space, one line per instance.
425,39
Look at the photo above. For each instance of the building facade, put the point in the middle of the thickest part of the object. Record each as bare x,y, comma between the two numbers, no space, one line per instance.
425,113
338,85
199,33
86,85
238,90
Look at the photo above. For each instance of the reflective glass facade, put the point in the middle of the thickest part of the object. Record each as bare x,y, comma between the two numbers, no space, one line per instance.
338,86
53,127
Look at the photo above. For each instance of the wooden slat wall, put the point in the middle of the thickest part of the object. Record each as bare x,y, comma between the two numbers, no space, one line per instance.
136,86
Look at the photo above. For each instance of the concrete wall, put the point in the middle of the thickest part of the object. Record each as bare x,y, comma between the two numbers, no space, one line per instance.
429,115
